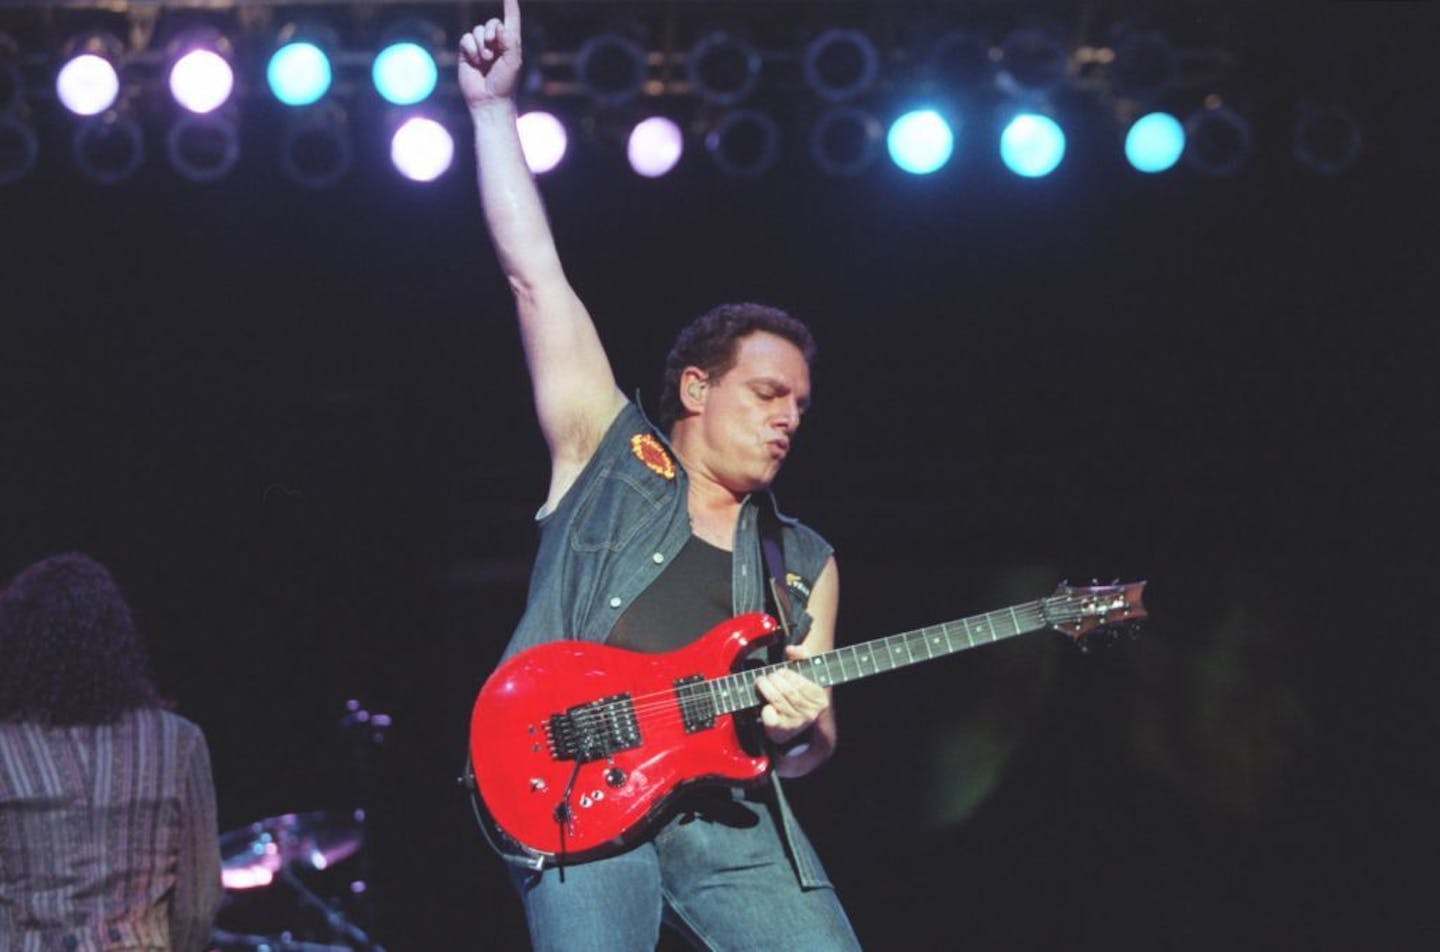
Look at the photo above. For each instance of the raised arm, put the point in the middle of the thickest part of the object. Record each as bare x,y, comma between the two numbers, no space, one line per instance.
576,398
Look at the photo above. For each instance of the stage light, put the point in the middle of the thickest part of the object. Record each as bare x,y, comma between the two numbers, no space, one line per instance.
840,64
1032,145
254,876
315,149
1217,139
18,149
88,83
1145,64
543,140
299,73
404,73
655,146
611,68
1327,138
920,142
201,79
422,149
845,141
723,68
1032,60
203,148
108,149
744,143
1154,142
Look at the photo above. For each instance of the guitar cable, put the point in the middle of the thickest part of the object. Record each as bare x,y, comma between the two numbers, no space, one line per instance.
562,814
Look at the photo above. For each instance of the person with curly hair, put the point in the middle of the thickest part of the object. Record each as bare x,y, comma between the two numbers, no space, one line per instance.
108,836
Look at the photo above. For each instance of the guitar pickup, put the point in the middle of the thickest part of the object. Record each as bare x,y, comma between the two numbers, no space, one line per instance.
697,703
595,730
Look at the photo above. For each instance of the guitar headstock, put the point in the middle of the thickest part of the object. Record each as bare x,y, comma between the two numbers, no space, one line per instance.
1096,609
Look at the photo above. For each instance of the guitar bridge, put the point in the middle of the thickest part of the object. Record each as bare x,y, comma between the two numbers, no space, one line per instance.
595,730
697,703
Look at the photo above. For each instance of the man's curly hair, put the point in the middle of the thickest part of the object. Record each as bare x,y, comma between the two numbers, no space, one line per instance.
709,342
69,650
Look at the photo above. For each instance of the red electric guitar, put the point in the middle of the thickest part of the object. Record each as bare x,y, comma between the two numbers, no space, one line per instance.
576,747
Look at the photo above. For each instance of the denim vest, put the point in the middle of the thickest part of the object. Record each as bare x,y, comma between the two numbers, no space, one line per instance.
615,531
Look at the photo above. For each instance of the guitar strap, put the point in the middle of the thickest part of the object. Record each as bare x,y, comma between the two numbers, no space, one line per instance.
778,604
773,551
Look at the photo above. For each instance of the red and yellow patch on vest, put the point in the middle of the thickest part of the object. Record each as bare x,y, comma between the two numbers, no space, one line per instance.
648,450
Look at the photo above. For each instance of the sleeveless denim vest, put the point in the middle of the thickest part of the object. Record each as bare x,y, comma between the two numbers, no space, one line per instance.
615,531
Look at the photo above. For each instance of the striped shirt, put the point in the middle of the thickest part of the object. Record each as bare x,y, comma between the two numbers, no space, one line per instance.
107,836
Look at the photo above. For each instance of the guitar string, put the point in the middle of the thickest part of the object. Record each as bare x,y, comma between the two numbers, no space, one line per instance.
667,706
743,682
667,700
666,697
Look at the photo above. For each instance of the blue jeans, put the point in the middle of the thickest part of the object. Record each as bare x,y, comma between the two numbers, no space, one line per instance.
716,871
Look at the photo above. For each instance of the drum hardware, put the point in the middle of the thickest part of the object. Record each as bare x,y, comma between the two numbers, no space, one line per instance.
275,851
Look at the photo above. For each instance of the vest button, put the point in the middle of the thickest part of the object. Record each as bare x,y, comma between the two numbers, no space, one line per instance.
615,602
658,557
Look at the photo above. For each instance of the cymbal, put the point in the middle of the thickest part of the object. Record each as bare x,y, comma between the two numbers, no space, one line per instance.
252,855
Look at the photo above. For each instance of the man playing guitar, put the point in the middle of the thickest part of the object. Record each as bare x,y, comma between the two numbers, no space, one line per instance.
649,536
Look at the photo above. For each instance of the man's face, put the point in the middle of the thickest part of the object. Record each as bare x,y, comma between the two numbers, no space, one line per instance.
751,413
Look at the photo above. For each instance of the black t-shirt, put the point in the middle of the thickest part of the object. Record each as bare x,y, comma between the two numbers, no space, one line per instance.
689,598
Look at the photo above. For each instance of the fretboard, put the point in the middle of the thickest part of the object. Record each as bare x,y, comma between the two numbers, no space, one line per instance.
736,692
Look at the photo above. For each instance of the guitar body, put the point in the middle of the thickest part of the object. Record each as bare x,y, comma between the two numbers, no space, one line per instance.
577,747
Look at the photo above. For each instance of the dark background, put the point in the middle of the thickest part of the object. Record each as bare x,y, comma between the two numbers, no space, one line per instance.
296,426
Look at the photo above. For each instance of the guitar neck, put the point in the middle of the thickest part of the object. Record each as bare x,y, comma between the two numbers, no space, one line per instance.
736,692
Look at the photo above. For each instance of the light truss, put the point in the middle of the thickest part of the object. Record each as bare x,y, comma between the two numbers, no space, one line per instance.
1085,45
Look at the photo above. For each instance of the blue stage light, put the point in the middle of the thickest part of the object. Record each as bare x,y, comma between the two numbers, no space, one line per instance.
299,74
1032,145
1155,142
404,73
920,142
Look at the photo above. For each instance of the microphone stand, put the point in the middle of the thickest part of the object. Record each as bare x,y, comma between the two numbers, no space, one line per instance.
340,927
